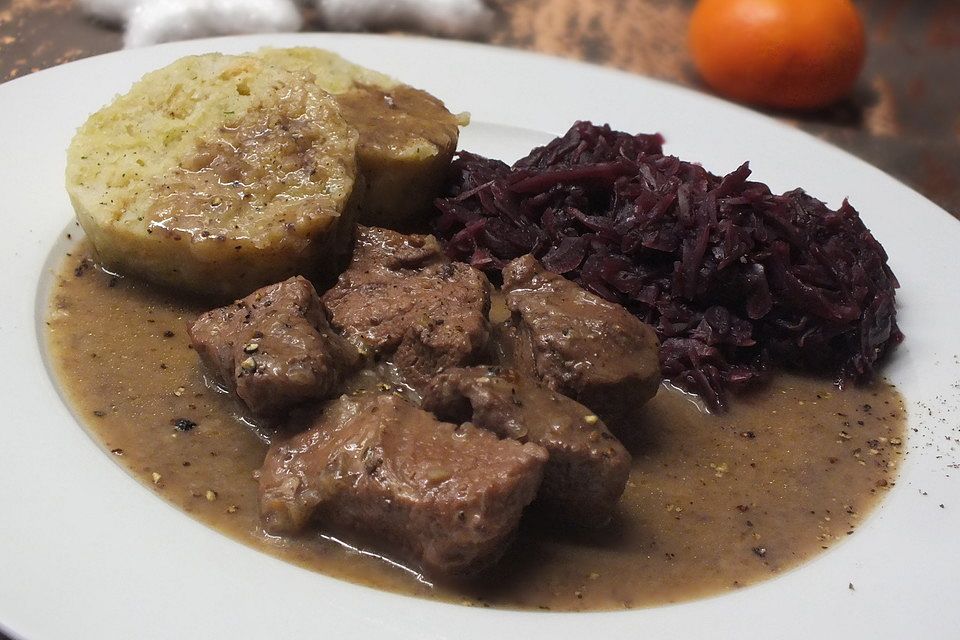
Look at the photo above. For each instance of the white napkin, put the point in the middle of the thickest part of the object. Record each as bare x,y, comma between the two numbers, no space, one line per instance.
153,21
454,18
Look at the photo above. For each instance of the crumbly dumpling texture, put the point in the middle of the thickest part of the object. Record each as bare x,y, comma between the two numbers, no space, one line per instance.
407,136
334,73
217,174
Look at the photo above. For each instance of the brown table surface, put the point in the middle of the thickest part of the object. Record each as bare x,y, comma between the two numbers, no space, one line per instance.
904,116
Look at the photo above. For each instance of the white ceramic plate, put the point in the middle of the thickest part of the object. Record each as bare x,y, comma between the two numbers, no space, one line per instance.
88,552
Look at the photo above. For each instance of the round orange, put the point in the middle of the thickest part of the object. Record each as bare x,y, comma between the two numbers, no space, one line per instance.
789,54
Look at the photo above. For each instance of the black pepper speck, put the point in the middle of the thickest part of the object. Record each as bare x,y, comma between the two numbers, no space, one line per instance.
183,424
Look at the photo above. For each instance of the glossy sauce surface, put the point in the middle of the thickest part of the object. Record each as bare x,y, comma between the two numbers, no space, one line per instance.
404,121
713,503
262,176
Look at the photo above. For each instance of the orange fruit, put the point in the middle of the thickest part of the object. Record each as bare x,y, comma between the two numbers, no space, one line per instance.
789,54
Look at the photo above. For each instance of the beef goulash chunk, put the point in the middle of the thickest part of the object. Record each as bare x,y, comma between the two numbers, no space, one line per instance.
576,343
275,347
588,467
402,296
447,498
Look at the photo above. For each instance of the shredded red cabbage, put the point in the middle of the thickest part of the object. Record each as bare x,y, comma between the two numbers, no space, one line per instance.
731,276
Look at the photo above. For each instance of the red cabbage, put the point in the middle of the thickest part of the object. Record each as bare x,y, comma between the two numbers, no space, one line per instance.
732,276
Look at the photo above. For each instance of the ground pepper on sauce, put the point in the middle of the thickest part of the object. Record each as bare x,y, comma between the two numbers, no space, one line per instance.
713,503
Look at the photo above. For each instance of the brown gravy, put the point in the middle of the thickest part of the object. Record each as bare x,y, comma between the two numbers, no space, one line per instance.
390,122
713,503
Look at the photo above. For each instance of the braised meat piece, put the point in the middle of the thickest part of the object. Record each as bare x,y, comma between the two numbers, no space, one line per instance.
402,296
447,498
275,347
576,343
588,467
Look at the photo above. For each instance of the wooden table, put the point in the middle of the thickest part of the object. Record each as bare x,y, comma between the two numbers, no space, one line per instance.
904,116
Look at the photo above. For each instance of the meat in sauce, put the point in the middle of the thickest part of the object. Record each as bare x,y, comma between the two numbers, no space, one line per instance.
445,497
580,345
275,347
402,297
713,502
588,467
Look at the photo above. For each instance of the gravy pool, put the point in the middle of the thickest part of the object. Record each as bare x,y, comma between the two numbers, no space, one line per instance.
714,502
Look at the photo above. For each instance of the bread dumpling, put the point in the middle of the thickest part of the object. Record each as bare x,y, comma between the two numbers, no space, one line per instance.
407,136
217,175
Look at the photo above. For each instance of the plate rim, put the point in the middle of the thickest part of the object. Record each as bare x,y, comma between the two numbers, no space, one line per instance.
663,620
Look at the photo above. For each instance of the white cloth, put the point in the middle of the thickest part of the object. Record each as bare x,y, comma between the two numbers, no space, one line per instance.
169,20
453,18
153,21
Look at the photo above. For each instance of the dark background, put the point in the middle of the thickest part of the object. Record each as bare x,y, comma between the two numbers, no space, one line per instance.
904,116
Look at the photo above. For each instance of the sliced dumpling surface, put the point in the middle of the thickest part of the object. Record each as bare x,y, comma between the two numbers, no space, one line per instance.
217,175
407,136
